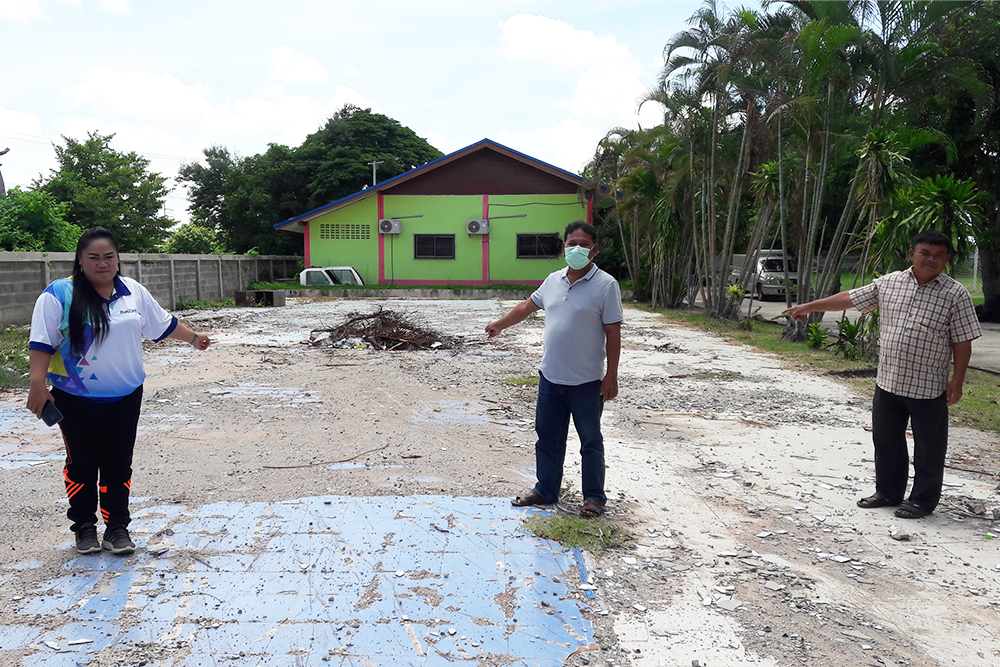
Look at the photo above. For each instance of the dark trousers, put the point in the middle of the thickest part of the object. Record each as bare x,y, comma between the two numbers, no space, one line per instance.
100,438
556,403
928,419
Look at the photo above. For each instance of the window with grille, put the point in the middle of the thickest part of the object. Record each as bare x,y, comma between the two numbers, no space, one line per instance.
434,246
330,231
539,246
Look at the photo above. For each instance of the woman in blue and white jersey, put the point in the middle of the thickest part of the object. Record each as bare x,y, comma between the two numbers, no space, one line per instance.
86,339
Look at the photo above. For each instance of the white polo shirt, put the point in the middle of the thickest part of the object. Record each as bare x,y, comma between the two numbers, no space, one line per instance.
575,315
112,368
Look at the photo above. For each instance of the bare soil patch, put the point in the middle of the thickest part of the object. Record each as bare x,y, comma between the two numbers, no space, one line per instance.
736,473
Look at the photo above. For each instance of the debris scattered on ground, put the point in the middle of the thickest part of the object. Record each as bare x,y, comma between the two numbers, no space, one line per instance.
896,534
972,508
381,330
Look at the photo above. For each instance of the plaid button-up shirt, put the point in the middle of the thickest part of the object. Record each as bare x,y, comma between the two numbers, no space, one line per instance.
919,324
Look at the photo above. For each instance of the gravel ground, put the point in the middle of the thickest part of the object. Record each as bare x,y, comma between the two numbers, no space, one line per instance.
736,473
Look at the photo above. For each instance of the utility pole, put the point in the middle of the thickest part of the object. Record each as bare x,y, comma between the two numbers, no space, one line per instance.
3,190
373,169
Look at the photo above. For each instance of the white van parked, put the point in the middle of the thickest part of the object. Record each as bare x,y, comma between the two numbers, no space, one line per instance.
769,274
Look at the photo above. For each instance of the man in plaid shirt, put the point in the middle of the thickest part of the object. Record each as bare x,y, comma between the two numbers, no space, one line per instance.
926,320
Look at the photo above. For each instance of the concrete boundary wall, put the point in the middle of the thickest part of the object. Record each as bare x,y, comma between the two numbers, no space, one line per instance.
172,279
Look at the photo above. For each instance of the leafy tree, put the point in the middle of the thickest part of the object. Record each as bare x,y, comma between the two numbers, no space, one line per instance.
207,195
941,203
102,186
242,198
803,114
971,118
33,221
341,152
193,239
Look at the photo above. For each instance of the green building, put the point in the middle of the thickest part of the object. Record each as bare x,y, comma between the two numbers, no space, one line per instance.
483,215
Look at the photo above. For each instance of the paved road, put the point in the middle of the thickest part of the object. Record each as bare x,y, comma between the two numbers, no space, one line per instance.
985,350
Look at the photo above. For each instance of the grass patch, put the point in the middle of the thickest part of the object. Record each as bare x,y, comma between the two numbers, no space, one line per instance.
980,404
593,535
14,357
206,305
531,380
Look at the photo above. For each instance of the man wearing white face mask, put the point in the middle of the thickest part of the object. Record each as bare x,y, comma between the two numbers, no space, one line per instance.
583,317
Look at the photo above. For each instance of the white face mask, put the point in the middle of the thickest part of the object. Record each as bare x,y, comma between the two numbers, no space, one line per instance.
577,256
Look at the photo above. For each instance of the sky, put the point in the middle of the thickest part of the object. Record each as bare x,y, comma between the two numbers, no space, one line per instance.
170,78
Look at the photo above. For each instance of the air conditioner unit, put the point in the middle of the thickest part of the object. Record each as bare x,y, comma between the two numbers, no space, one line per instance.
477,226
389,226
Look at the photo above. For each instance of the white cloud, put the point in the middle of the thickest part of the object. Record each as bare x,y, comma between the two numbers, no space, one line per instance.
570,144
443,143
346,95
606,92
117,6
30,153
603,96
20,10
141,94
557,43
142,98
19,122
287,65
161,117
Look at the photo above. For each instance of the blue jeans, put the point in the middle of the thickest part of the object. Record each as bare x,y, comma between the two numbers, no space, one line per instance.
556,403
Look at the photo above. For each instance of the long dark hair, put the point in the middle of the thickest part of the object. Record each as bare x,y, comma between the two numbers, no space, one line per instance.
87,306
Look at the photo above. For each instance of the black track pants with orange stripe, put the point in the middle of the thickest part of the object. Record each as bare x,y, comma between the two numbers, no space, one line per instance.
100,439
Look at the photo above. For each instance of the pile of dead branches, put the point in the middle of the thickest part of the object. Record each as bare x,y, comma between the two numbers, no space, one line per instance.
381,330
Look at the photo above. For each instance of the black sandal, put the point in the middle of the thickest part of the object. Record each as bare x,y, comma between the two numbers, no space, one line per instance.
911,510
875,500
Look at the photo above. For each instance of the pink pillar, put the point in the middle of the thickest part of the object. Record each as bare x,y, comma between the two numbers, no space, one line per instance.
307,250
486,242
381,242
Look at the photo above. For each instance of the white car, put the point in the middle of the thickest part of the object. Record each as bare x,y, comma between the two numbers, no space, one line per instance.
330,275
768,279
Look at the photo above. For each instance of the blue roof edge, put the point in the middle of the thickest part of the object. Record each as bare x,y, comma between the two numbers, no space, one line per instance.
361,194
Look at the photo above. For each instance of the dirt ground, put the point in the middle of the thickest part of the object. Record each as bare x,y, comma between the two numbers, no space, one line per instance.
737,473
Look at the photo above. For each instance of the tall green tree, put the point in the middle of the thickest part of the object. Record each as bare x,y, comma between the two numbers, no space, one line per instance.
242,198
116,190
192,239
887,68
971,119
33,221
341,152
806,112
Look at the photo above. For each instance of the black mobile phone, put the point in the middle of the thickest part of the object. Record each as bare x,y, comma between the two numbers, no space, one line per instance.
50,414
